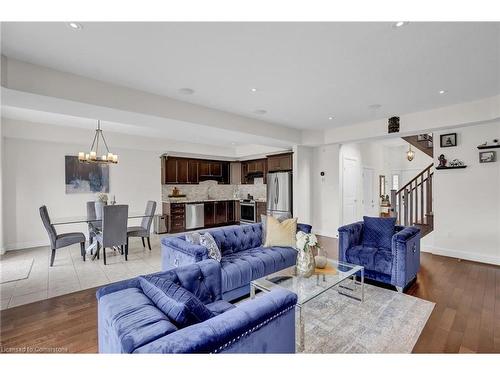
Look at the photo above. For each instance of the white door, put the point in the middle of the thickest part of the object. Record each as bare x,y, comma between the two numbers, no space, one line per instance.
369,194
350,176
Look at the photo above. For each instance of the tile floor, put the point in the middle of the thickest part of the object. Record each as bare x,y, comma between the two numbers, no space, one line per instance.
70,273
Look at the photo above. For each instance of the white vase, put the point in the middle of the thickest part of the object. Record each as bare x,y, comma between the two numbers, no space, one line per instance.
305,262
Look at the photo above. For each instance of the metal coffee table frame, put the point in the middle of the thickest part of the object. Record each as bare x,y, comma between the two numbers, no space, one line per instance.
348,274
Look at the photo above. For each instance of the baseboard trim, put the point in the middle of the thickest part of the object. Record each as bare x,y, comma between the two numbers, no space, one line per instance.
25,245
459,254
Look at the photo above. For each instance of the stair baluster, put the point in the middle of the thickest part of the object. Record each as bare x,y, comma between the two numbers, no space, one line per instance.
414,202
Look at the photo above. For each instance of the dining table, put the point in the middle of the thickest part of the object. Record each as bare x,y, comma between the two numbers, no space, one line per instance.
91,220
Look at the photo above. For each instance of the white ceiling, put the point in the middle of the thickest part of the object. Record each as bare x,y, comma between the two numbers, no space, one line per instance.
304,72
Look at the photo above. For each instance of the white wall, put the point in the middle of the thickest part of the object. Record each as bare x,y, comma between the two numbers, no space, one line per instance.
467,201
34,176
325,192
302,173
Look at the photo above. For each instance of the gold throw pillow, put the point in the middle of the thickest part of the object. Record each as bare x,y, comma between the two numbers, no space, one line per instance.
280,234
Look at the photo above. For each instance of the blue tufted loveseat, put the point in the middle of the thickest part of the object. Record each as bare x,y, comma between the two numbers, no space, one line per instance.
130,322
243,257
397,263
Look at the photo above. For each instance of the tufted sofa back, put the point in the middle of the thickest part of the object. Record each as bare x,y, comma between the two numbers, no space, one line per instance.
238,237
203,279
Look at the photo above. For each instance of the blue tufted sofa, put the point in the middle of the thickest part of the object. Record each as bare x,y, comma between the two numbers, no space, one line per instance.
129,322
396,264
243,257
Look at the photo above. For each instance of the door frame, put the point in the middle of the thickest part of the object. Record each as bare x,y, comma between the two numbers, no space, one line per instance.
356,160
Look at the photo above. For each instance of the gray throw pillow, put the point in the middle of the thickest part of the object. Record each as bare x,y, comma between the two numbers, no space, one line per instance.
193,238
208,241
263,219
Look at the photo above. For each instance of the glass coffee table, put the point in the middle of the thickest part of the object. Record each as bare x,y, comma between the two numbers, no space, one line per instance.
338,275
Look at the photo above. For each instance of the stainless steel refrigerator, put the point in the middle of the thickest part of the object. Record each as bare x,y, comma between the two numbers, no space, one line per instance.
279,194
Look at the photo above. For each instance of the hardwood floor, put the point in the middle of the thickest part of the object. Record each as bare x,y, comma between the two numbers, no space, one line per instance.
466,318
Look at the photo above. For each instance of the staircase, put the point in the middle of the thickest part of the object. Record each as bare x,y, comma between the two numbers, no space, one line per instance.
422,141
412,204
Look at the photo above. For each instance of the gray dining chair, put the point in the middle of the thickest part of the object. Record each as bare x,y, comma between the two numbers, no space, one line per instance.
114,229
58,241
143,230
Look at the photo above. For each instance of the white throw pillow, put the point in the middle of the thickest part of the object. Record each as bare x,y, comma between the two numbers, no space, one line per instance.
208,241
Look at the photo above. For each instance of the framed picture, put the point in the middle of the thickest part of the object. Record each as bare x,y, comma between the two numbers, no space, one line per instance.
448,140
487,156
85,178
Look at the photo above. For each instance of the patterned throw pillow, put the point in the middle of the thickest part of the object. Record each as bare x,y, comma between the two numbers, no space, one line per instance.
193,238
207,240
179,304
378,231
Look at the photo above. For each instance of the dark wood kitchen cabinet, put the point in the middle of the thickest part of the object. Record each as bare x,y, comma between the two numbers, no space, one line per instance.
193,171
176,213
231,212
210,168
176,170
279,163
182,171
250,169
170,171
220,212
209,214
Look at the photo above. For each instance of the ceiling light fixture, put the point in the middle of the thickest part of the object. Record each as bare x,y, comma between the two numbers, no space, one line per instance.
410,154
260,111
400,24
74,25
330,118
253,89
93,155
442,92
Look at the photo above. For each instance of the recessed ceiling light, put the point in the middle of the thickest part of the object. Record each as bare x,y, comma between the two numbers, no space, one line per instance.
260,111
330,118
400,24
442,92
253,89
74,25
186,91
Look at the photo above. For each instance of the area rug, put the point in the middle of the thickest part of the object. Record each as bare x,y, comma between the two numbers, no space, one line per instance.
13,270
386,322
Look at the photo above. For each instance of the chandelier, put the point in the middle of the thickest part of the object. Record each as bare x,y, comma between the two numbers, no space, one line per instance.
93,155
410,154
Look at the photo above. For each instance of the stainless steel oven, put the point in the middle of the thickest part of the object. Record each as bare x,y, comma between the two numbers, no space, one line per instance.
248,212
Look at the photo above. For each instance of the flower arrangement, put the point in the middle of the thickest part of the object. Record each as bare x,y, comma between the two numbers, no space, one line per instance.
102,197
306,240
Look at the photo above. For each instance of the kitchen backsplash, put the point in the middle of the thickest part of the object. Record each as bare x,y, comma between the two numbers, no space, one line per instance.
212,190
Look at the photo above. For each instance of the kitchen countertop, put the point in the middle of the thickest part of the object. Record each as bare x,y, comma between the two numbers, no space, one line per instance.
185,200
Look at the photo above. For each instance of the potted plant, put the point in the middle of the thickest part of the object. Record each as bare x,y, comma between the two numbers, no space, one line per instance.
306,242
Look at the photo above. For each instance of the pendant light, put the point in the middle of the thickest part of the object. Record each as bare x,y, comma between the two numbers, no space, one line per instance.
410,154
93,155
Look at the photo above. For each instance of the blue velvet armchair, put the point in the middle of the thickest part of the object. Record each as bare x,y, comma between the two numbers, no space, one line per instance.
395,261
130,321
